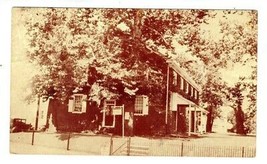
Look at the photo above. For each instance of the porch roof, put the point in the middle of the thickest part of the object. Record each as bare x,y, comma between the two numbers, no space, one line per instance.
176,99
198,109
179,99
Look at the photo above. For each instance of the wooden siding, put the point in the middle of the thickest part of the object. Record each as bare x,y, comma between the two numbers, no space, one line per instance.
183,92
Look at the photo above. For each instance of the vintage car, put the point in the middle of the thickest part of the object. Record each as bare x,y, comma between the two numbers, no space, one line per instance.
19,125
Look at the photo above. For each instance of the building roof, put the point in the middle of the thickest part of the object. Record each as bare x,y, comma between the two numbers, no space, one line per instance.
179,99
176,66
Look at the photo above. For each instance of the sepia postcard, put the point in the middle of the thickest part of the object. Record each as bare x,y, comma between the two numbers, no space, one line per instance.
134,82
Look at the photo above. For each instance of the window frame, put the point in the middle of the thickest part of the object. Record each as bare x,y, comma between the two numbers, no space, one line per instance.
72,103
79,98
186,87
196,94
141,105
192,91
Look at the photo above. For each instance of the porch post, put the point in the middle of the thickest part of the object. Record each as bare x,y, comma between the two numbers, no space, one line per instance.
176,120
195,120
201,115
104,117
189,125
122,121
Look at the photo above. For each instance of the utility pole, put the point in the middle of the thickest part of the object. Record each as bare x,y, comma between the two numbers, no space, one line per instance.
123,128
167,98
36,119
37,113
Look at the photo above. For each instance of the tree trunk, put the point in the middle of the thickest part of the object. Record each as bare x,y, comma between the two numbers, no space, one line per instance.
209,120
240,119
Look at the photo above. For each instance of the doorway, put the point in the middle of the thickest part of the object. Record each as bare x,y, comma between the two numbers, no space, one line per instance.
181,119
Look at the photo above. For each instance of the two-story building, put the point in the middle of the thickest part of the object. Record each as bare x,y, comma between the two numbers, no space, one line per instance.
184,93
182,114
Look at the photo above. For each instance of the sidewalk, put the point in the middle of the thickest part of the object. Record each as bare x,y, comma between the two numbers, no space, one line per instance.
21,148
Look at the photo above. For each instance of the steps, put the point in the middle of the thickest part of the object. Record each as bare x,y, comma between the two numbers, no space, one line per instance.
136,150
139,150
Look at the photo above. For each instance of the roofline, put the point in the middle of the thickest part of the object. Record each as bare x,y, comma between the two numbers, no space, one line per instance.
189,102
173,64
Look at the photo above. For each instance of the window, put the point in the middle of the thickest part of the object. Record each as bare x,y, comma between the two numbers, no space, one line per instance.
141,105
77,103
192,91
174,80
182,83
196,94
187,88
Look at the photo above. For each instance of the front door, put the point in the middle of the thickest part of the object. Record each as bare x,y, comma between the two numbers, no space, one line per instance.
181,119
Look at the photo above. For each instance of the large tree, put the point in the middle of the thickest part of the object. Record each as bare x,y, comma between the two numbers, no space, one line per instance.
112,52
62,45
232,42
66,43
236,97
121,51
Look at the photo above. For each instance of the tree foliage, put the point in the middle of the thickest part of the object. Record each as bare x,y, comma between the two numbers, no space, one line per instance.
116,52
235,42
236,96
66,42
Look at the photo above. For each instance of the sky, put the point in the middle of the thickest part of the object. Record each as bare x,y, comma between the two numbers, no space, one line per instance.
21,72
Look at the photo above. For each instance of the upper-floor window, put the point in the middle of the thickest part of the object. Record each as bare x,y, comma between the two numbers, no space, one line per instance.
182,83
192,91
174,81
187,87
196,94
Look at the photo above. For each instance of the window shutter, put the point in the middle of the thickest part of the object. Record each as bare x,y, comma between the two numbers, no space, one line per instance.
70,105
84,103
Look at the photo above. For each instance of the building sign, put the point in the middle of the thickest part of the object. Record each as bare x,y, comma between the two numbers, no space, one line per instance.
127,115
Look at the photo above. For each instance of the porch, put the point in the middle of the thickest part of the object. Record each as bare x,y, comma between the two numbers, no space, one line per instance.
186,116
